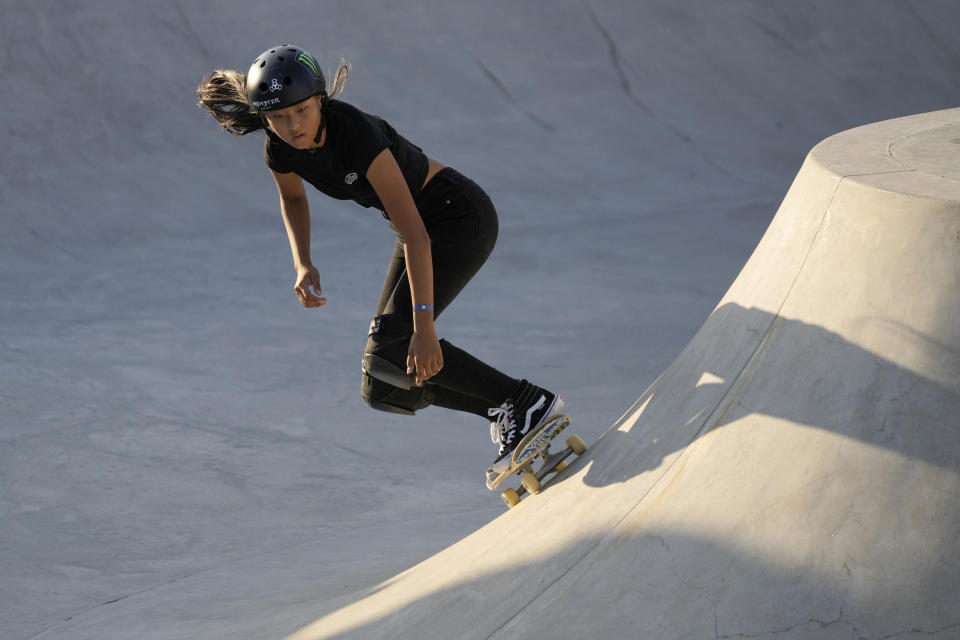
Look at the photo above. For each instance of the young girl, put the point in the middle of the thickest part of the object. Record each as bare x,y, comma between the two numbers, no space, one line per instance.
445,225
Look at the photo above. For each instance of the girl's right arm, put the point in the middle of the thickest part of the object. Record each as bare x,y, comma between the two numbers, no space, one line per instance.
296,217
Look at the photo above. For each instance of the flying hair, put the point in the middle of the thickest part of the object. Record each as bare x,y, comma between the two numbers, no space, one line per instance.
223,94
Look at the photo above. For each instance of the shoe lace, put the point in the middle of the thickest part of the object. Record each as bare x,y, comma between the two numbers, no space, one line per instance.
501,423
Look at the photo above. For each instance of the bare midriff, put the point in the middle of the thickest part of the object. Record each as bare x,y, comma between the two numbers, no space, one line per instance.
433,167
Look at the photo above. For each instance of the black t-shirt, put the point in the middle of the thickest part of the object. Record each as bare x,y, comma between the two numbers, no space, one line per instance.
339,167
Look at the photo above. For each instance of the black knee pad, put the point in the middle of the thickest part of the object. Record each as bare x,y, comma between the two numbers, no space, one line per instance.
385,371
386,386
383,396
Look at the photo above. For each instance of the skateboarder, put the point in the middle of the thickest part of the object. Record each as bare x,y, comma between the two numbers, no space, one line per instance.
445,224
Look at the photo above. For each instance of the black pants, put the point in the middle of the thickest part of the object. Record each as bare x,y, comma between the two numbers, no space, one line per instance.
462,224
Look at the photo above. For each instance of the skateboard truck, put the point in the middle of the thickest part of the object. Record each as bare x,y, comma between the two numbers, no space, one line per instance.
534,446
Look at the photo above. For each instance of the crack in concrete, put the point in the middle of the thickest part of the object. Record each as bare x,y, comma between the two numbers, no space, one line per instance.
934,37
827,624
189,25
618,66
703,591
502,88
813,621
621,72
948,627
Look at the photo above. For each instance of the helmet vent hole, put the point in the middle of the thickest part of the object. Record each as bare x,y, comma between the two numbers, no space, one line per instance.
263,87
263,64
287,80
280,58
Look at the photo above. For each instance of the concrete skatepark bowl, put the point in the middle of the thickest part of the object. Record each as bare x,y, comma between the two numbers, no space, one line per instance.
183,450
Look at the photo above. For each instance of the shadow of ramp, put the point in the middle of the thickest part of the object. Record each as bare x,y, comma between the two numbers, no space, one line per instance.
797,372
660,583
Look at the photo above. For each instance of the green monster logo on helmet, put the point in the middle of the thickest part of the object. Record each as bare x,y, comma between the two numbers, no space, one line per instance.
307,60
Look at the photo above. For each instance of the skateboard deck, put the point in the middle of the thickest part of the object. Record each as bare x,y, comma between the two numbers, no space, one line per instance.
536,446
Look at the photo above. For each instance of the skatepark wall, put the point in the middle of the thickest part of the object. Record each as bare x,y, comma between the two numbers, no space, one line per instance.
184,450
793,473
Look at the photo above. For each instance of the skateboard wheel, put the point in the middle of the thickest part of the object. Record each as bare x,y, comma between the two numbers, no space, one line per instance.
511,497
530,482
560,466
576,445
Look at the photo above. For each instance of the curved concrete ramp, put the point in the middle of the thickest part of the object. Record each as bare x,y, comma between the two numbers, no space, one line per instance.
795,473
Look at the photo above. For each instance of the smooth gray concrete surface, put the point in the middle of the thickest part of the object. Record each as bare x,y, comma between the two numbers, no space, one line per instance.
183,450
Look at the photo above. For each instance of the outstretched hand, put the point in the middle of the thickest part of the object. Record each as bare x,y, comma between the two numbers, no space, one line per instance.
308,287
424,356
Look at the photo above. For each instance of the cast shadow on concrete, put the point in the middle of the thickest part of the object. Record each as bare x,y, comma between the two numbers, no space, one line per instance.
671,583
668,584
795,371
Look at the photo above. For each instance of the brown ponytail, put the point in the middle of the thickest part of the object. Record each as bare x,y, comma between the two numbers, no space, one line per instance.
224,94
339,78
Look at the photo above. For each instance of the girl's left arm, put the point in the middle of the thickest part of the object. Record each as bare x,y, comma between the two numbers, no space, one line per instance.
425,356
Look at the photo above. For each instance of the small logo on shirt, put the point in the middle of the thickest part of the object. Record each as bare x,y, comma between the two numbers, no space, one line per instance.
351,178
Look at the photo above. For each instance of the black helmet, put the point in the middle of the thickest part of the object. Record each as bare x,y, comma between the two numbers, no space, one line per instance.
283,76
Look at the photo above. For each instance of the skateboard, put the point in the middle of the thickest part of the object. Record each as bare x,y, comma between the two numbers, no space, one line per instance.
536,445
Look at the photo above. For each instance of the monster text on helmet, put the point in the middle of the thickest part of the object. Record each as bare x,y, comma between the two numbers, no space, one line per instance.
265,103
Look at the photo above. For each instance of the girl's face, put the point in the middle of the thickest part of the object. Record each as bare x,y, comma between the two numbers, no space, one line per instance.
297,124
